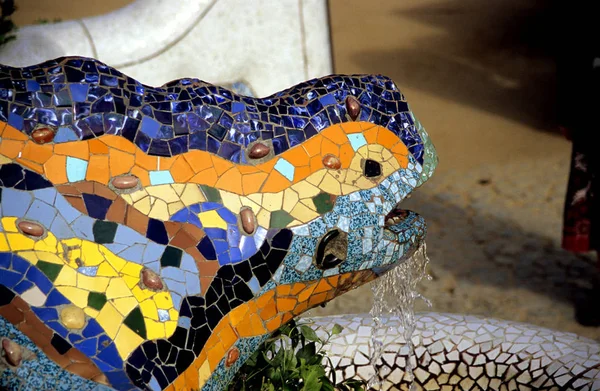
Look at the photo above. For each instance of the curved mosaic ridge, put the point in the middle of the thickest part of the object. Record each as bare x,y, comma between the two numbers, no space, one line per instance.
453,351
85,99
159,234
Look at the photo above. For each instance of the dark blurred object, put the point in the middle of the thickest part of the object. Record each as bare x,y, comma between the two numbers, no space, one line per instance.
578,97
578,67
7,27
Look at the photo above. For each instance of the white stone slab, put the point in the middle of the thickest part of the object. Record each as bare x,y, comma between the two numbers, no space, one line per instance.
270,45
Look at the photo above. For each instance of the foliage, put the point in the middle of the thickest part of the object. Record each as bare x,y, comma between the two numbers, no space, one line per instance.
7,27
292,359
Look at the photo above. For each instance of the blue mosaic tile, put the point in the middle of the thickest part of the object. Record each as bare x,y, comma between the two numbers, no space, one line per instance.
285,168
76,169
160,177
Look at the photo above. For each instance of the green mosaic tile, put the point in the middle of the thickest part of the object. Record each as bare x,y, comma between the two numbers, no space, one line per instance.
135,321
96,300
171,257
324,202
51,270
211,194
280,219
104,231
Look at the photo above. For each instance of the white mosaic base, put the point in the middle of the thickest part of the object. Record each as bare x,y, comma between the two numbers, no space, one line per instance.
456,352
270,46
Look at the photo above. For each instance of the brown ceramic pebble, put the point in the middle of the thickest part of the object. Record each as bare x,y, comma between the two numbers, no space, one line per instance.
259,150
42,135
31,228
151,279
232,357
332,162
248,220
125,182
353,107
12,352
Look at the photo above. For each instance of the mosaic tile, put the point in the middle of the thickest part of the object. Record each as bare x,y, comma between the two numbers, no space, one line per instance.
469,352
165,228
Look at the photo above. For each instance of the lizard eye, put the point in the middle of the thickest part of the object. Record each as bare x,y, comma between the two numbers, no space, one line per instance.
372,168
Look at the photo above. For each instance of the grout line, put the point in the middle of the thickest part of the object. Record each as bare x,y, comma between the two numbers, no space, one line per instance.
170,44
330,35
89,37
303,39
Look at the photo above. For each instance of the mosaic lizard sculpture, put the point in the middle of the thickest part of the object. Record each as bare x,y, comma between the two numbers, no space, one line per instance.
151,238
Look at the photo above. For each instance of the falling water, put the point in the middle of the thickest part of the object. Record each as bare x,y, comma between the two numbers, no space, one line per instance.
395,294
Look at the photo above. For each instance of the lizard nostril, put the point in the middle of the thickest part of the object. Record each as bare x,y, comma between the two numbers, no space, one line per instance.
331,250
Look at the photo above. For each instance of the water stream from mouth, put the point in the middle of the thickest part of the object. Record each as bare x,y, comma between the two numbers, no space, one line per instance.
395,294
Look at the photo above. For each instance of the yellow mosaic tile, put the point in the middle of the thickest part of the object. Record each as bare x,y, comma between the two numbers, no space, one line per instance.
175,207
143,205
154,328
126,341
117,288
110,319
273,201
93,284
163,192
231,201
91,312
66,277
191,195
211,219
18,242
263,217
76,295
159,210
149,307
290,198
125,304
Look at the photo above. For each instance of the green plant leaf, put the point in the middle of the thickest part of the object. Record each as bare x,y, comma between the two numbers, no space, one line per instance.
277,359
326,384
336,329
291,359
353,384
311,376
309,333
307,352
274,375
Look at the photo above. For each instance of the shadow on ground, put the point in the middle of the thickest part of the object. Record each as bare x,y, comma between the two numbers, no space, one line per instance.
493,56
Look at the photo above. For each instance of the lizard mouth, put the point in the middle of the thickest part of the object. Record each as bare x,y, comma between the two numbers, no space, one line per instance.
404,227
398,216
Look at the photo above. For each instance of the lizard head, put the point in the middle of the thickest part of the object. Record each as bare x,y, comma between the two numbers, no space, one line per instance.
349,226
